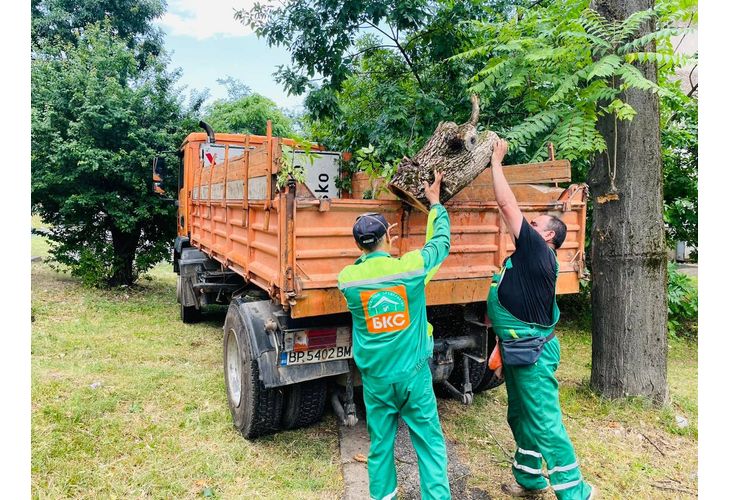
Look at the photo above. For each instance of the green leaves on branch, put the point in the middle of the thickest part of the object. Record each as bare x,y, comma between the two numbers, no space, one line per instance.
97,120
369,160
248,115
565,65
287,168
683,304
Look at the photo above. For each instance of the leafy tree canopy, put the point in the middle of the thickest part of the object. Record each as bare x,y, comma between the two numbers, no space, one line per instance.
97,119
247,113
56,23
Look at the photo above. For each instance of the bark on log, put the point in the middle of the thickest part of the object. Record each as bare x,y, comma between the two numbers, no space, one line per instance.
456,150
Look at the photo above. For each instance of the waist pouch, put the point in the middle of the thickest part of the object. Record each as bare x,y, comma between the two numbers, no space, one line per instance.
524,351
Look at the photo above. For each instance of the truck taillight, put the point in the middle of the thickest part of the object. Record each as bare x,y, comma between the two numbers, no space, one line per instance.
316,338
325,337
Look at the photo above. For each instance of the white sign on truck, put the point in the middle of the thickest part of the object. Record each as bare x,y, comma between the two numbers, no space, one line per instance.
320,171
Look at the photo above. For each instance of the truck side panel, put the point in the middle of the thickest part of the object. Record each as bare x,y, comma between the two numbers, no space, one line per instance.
238,218
479,244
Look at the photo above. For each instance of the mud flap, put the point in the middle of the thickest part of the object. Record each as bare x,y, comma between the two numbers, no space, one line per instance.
264,348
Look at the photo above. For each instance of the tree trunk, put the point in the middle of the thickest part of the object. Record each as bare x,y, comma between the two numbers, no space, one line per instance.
456,150
628,251
125,250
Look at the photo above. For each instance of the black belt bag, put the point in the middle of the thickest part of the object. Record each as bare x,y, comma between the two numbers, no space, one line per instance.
524,351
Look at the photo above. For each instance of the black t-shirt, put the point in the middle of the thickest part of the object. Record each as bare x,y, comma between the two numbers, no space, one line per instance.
528,288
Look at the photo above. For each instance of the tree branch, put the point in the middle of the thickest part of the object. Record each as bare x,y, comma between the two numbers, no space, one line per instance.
694,85
403,53
371,48
691,18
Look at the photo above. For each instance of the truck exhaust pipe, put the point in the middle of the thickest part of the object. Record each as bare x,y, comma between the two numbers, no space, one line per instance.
208,130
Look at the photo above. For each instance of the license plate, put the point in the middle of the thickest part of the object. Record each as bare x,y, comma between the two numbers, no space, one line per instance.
316,355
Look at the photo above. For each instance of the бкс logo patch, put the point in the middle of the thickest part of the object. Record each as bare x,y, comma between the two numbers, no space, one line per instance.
386,310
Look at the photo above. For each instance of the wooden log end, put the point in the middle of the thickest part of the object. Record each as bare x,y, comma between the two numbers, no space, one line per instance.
408,198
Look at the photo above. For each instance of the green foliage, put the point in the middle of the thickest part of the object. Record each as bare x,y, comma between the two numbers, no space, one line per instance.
287,169
376,107
97,119
384,77
318,33
560,67
369,160
248,115
57,23
680,160
682,302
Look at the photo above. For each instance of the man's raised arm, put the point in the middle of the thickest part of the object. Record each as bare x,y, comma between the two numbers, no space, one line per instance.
438,229
505,197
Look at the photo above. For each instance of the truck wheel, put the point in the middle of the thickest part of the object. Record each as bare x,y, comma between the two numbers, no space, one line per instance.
476,372
489,381
304,403
256,410
188,314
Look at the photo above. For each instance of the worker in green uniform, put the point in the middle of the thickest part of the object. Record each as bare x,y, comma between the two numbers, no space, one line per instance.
392,344
521,305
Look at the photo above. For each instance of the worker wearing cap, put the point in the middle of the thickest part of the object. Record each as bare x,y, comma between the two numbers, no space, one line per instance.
392,344
521,305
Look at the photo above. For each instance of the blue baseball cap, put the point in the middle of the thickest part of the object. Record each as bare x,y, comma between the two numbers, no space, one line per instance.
369,228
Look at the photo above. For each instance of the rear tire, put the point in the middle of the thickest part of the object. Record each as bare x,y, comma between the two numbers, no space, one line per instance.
255,410
304,403
188,314
477,372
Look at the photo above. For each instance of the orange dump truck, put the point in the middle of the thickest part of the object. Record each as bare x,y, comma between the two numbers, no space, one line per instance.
273,254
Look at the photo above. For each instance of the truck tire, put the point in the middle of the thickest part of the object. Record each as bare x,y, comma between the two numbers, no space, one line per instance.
477,371
454,324
188,314
255,410
304,403
489,381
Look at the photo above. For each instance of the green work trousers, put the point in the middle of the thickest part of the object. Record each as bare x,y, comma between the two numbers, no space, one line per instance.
533,413
413,399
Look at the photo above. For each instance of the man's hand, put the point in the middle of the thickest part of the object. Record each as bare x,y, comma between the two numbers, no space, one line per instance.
391,227
433,192
502,192
499,152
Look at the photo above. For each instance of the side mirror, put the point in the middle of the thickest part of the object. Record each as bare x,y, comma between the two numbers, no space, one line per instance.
158,172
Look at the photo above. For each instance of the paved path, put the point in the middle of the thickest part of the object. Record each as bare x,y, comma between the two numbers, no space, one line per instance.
688,269
354,441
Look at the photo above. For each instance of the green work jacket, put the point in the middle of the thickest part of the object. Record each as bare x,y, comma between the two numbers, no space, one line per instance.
391,337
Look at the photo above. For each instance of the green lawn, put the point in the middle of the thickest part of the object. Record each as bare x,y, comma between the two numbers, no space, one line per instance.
129,402
38,245
628,449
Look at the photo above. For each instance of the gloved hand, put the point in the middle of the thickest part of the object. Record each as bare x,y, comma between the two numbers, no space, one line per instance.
495,361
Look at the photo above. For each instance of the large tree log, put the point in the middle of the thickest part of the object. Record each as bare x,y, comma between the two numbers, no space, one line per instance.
456,150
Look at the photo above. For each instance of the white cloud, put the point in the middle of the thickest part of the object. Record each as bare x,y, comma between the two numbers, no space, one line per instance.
203,19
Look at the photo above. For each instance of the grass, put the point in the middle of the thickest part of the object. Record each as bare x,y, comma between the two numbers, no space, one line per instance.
38,245
129,402
629,449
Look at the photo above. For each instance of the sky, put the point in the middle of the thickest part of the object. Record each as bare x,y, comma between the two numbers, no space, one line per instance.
207,43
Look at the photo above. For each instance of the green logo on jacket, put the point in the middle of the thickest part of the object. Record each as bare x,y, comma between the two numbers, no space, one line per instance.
385,301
